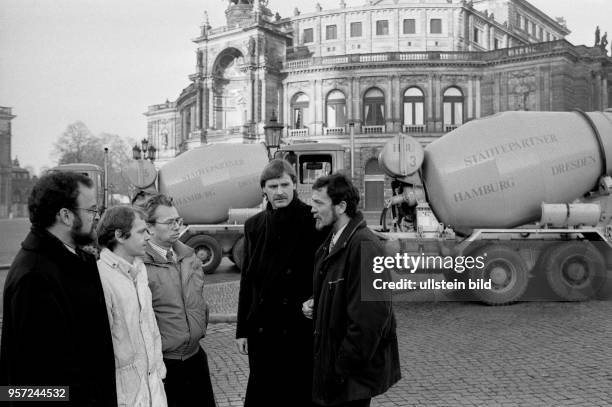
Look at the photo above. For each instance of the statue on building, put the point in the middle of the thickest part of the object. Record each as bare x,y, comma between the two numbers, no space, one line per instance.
251,47
296,12
318,7
604,43
597,36
277,16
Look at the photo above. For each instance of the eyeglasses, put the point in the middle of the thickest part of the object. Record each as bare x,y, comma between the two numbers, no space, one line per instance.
178,222
95,211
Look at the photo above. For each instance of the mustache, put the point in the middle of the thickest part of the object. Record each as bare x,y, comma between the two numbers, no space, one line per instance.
280,196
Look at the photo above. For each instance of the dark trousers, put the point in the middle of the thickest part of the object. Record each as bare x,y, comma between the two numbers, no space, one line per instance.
188,382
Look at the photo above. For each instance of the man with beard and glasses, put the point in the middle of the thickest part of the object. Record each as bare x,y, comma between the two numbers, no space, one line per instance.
55,328
280,243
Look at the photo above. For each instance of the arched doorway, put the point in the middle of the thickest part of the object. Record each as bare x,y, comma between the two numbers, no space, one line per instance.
229,90
374,186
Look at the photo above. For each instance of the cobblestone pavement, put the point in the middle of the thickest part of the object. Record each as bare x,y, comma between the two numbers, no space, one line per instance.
467,354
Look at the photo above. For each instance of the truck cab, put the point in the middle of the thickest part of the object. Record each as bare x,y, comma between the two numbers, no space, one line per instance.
311,161
95,172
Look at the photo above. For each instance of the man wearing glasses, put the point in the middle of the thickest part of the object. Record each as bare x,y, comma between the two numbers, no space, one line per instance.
176,280
55,327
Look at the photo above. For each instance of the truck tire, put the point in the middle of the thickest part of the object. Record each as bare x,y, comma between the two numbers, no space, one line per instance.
575,271
208,251
507,271
238,253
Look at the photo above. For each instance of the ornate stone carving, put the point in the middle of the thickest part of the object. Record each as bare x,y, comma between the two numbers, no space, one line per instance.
336,83
522,88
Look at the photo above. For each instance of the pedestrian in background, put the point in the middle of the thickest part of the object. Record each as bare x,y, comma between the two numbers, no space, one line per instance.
122,235
55,328
356,353
280,243
176,280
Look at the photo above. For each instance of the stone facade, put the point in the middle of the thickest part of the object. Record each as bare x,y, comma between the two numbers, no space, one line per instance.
6,164
422,67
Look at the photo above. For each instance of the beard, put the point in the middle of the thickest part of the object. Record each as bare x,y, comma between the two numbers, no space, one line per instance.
79,237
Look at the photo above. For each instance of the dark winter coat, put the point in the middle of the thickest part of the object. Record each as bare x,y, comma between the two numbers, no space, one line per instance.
55,326
355,348
276,280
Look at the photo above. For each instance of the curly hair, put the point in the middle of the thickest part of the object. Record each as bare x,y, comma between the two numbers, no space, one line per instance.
120,217
340,188
52,192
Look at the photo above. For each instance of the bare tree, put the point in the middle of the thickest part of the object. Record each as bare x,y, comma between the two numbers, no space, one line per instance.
77,144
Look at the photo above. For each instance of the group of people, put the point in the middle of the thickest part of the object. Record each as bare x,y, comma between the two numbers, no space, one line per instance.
122,331
310,337
125,329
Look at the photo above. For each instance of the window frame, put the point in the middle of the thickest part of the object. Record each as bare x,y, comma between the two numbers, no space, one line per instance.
304,38
331,28
431,25
356,24
406,20
382,27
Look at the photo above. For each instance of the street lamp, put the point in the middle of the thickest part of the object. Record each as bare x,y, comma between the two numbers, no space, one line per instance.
273,132
144,151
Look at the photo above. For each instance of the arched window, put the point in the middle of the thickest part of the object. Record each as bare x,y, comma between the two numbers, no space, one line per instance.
453,107
336,109
414,107
299,110
374,107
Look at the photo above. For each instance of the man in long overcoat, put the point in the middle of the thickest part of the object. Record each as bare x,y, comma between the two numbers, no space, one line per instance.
356,354
280,243
55,329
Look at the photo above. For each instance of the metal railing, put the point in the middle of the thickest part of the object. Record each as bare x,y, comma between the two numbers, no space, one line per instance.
450,127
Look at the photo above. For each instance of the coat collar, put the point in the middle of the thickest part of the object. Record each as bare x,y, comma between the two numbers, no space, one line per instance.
357,222
180,249
41,240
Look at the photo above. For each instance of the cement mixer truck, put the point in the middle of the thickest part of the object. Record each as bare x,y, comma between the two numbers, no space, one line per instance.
530,192
527,192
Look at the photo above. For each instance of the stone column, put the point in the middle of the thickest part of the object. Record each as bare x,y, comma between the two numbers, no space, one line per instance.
604,93
430,103
470,100
396,101
264,114
350,114
477,98
211,105
205,103
389,105
198,118
438,103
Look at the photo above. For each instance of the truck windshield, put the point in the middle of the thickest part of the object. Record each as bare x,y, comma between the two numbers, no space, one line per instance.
313,166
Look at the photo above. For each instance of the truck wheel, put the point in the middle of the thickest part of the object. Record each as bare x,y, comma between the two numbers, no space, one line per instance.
238,253
506,270
208,251
574,270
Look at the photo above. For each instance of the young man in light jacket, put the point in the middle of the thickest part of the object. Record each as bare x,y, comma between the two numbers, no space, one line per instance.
139,367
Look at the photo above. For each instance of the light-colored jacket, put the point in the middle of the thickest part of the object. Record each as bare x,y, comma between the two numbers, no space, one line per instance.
139,367
178,300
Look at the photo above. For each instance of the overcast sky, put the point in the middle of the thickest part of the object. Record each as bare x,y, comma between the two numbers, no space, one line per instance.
104,61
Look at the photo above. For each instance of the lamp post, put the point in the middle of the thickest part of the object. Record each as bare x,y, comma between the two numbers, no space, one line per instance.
273,133
144,151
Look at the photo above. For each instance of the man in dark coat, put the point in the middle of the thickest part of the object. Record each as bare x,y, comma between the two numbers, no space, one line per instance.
355,346
280,243
55,328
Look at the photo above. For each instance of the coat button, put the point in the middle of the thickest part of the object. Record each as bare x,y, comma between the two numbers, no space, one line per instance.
260,330
285,301
261,301
289,271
